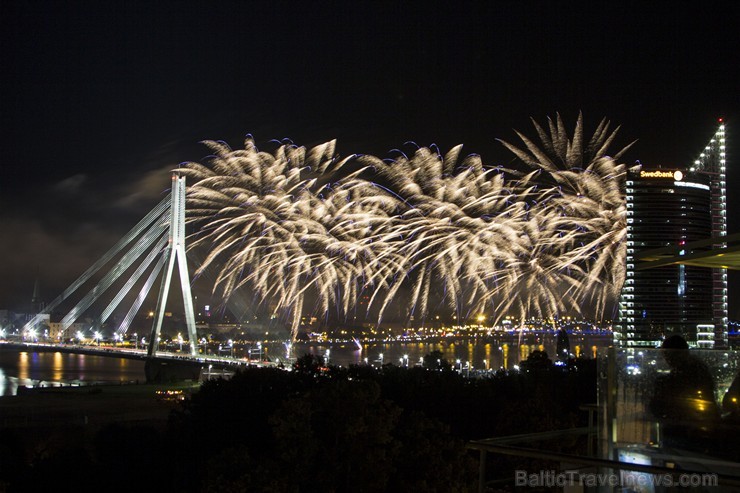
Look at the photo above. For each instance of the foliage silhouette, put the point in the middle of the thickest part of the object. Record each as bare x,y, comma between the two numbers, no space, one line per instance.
322,429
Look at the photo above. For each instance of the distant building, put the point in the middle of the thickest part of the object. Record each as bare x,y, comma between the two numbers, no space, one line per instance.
57,332
670,207
13,321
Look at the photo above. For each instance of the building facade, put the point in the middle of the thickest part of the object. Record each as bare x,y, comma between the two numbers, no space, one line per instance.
670,208
712,162
665,207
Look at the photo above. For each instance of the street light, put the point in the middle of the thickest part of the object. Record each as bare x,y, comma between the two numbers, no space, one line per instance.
136,340
179,339
97,336
406,358
381,359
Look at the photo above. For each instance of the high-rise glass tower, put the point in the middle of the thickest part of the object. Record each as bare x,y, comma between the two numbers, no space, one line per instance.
671,208
713,163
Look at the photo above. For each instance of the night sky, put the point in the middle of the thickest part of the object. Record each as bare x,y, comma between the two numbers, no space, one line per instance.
99,100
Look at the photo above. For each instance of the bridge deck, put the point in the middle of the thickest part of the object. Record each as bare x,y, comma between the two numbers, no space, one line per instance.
137,354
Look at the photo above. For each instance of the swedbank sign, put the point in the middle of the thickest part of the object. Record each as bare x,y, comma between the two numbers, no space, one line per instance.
675,175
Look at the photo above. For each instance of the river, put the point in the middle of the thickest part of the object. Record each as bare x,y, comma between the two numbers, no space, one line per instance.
503,351
35,369
47,369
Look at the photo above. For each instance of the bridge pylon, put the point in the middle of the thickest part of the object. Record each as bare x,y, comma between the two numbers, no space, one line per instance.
175,252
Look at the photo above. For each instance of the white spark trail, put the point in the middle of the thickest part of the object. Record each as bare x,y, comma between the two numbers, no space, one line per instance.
301,224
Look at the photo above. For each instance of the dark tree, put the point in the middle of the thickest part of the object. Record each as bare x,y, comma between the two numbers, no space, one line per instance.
436,361
337,437
537,361
309,363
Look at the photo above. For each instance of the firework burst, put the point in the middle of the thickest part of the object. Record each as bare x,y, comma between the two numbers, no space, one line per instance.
298,222
270,221
583,206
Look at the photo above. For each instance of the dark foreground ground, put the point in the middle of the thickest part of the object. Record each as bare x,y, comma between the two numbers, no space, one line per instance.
312,429
91,406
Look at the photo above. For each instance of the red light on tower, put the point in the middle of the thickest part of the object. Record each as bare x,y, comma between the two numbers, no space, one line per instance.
720,120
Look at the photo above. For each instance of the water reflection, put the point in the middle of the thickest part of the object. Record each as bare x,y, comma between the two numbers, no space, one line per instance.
58,366
479,354
47,369
23,366
32,369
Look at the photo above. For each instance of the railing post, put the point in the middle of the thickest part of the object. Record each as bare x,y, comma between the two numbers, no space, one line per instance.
482,472
611,403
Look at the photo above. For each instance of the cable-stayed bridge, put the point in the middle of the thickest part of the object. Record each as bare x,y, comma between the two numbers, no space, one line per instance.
146,254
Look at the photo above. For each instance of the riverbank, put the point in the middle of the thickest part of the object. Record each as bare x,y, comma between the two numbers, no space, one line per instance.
90,407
